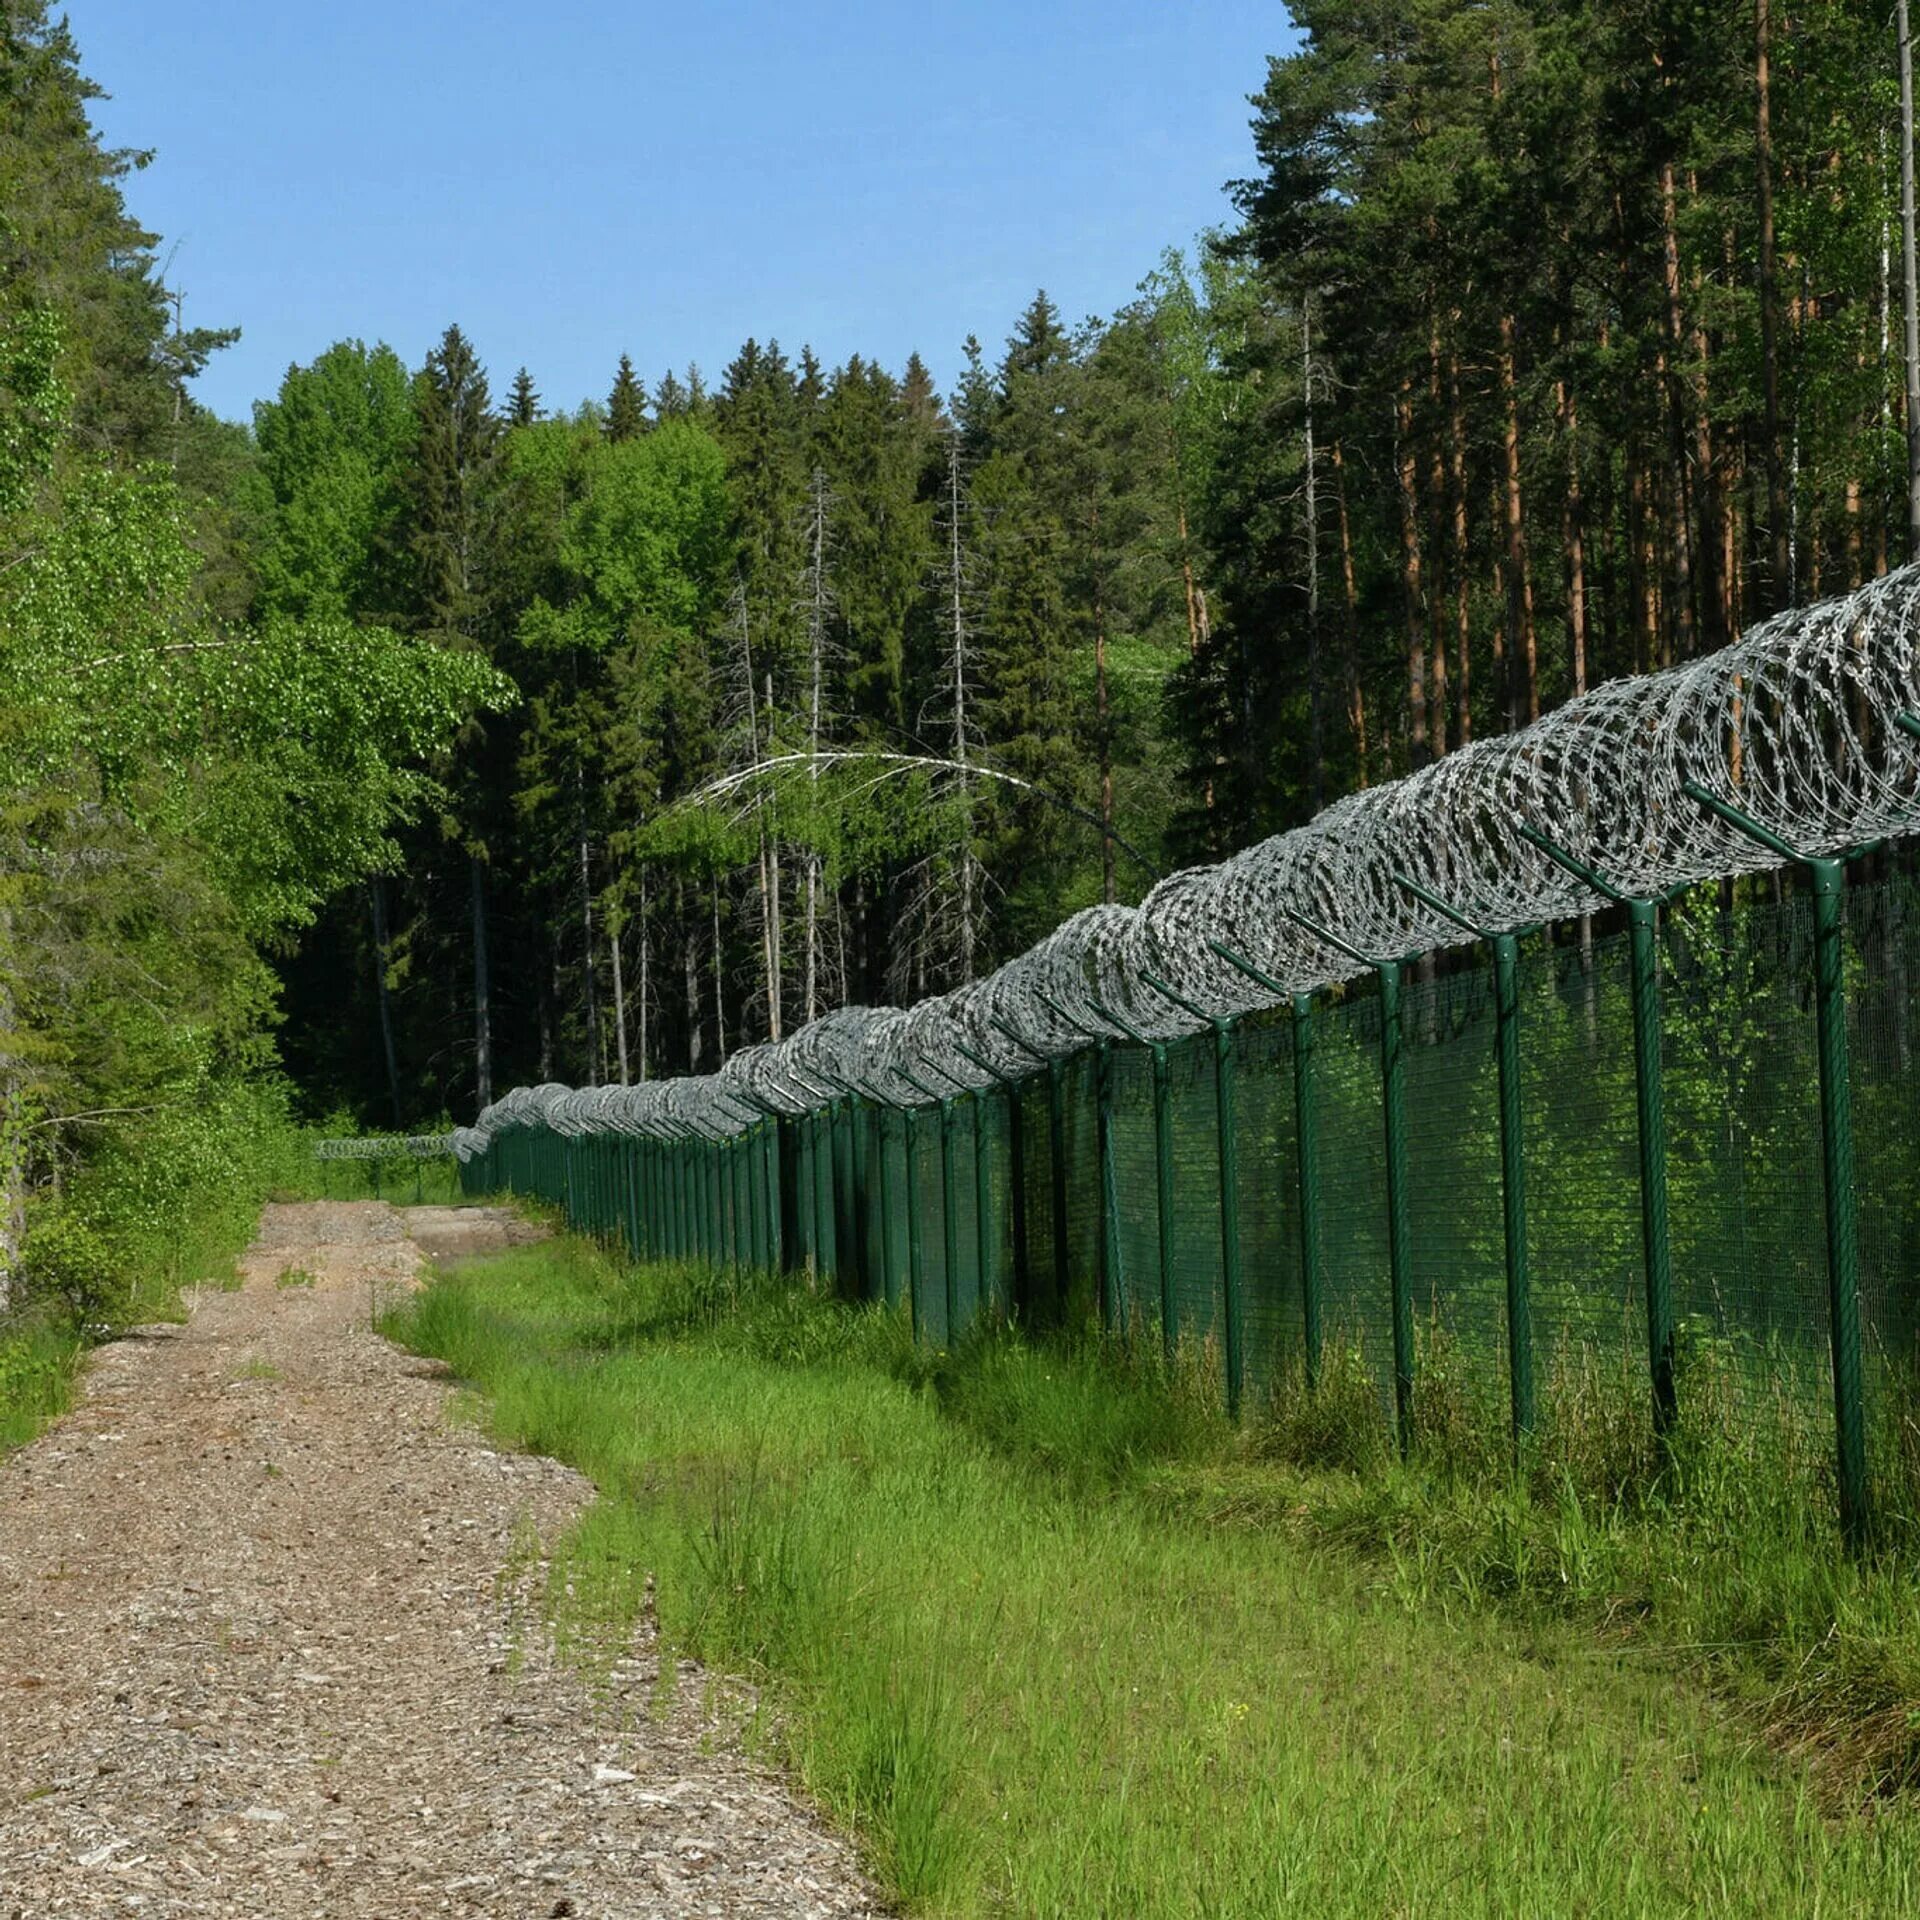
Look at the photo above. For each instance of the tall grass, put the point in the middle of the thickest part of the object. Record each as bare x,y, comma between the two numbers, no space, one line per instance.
1052,1638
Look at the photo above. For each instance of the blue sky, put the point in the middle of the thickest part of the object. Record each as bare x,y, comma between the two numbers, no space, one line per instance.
585,178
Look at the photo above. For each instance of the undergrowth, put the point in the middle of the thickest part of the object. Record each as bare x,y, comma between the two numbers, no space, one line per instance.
1052,1636
160,1203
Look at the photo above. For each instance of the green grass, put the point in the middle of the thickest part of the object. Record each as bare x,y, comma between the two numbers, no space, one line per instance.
1051,1638
38,1361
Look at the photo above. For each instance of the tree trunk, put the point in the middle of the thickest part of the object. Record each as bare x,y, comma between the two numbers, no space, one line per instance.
646,970
960,649
1911,270
1103,723
1350,627
1573,533
482,1011
1436,507
690,980
1525,655
1417,743
1769,306
1679,511
1462,591
719,986
614,930
377,896
1316,717
590,978
816,669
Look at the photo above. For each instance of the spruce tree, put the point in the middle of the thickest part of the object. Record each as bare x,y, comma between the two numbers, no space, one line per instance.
451,487
626,404
523,402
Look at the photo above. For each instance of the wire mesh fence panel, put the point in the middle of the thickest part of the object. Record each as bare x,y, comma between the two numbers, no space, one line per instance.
1883,926
1084,1190
1454,1199
1584,1180
1268,1203
1197,1283
1744,1171
930,1298
965,1236
1136,1256
1356,1302
997,1226
891,1227
1036,1303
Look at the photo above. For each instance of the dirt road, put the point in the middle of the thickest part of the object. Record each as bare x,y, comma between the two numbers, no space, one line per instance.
269,1644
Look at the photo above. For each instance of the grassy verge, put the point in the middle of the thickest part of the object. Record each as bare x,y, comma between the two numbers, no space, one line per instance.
1051,1639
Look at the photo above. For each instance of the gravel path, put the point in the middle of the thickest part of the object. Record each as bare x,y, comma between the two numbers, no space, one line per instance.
268,1645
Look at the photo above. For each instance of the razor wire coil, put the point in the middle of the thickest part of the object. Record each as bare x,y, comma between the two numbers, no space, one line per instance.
1794,725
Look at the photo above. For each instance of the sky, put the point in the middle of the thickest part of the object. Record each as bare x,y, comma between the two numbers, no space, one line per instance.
577,180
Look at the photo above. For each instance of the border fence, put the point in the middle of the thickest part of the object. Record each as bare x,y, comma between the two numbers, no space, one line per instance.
1280,1116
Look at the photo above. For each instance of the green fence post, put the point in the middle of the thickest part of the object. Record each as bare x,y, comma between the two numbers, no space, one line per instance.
1513,1180
949,1220
916,1255
986,1238
888,1290
1837,1165
1226,1125
1393,1075
826,1253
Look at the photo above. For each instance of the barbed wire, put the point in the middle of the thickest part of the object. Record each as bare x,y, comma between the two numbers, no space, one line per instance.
1794,725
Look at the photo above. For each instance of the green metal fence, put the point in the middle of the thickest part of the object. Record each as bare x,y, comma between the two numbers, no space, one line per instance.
1631,1152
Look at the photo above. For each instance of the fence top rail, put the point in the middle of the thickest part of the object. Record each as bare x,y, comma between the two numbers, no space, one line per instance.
1798,728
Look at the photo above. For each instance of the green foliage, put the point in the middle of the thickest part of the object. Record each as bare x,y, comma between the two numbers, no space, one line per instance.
334,446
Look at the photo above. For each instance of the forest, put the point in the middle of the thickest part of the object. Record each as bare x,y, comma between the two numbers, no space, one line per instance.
425,735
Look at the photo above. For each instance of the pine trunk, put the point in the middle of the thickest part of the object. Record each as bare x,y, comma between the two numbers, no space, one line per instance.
1769,306
1911,271
1418,749
482,985
377,896
619,998
1524,690
1350,627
